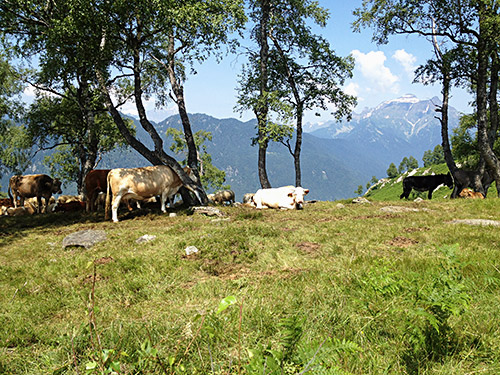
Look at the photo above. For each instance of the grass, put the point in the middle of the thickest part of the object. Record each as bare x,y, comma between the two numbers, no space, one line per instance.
352,289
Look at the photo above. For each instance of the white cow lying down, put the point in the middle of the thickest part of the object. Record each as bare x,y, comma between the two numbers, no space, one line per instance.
286,197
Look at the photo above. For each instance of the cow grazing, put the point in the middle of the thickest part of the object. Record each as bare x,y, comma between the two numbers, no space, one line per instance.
470,194
95,182
223,196
37,185
140,184
286,197
425,183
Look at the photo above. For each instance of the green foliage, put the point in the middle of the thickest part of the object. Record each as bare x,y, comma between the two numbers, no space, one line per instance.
211,176
430,334
433,157
407,164
392,171
14,146
359,190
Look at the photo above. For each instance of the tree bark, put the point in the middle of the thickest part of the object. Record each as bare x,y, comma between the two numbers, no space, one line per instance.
178,90
263,107
485,148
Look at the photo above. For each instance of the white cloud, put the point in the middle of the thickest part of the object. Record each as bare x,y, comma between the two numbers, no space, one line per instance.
352,89
407,60
379,77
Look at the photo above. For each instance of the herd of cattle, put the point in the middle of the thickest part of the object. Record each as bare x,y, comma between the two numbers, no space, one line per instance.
109,187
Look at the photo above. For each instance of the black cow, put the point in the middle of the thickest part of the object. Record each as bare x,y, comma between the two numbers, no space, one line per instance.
425,183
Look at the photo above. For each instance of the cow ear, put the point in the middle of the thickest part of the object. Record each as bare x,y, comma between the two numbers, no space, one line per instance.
306,191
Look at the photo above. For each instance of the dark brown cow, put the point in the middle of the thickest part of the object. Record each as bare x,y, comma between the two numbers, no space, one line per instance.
96,182
35,185
70,207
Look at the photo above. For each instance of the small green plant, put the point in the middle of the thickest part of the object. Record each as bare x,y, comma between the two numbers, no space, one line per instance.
429,334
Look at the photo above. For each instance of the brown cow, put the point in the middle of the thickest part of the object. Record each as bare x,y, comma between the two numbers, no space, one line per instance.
95,183
70,206
141,183
471,194
35,185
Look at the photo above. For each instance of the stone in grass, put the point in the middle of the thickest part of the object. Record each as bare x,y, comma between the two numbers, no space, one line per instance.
145,238
84,238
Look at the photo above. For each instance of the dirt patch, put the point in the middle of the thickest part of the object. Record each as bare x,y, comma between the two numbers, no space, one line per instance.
103,260
413,230
89,278
309,247
402,242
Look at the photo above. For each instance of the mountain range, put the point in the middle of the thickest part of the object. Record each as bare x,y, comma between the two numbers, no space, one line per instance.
336,157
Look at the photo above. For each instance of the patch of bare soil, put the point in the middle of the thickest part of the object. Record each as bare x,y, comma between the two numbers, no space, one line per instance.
413,230
402,242
103,260
89,278
310,248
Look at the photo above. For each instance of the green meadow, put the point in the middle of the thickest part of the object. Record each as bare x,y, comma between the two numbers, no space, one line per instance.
388,287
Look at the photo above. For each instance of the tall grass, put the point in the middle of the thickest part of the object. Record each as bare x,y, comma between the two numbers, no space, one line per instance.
326,290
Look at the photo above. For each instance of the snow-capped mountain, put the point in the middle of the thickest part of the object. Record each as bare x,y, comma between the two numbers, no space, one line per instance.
406,126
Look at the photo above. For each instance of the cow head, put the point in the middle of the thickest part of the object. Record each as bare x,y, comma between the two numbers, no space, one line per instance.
56,187
297,195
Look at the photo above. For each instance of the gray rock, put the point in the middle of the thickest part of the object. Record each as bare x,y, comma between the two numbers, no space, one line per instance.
84,238
145,238
361,200
482,222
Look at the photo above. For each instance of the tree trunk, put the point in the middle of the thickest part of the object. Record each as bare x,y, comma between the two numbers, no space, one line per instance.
485,148
178,90
263,108
298,147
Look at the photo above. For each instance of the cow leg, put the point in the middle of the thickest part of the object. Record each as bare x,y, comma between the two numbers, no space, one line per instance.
114,207
163,199
430,194
39,202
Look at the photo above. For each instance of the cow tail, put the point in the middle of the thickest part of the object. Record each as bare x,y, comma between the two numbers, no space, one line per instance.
107,206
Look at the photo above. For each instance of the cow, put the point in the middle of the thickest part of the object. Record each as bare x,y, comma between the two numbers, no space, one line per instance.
286,197
37,185
476,180
223,196
248,198
95,183
425,183
72,206
469,193
140,184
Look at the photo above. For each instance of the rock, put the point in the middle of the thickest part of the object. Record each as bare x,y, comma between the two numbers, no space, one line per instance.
394,209
482,222
145,238
340,205
84,238
361,200
210,211
191,250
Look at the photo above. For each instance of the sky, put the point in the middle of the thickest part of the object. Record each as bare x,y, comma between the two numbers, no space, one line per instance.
381,73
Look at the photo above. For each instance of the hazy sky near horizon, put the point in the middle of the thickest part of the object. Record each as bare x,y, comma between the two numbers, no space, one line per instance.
381,72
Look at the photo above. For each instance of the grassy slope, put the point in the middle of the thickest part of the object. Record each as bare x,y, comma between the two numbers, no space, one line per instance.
372,281
391,189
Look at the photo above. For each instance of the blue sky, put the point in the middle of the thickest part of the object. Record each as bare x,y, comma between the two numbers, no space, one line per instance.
381,73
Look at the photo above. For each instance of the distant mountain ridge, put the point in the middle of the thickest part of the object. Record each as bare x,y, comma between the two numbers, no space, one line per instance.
336,157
